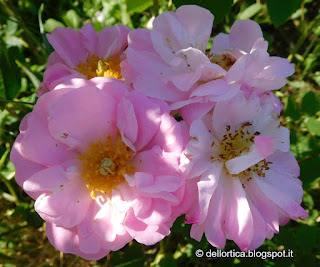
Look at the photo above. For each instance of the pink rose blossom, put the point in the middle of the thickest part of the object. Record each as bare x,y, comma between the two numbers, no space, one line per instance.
247,179
84,54
102,164
170,62
245,50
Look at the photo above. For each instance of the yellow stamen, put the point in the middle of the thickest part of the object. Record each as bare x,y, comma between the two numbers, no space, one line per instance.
100,67
223,60
233,144
104,165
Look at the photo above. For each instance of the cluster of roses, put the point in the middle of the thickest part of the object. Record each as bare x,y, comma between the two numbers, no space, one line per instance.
107,162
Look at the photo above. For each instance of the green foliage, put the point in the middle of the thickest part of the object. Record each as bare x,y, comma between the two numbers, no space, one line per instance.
71,19
9,70
250,11
280,11
138,5
50,24
292,28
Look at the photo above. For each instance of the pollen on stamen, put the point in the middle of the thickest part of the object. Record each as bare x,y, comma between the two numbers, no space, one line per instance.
104,165
223,60
95,66
234,144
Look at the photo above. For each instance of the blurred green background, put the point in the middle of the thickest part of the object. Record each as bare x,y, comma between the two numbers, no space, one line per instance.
292,28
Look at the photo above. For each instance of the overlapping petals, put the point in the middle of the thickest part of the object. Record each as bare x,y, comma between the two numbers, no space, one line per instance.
106,161
85,46
235,156
174,54
63,125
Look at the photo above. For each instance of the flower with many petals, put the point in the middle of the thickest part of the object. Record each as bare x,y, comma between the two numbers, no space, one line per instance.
247,179
84,54
102,164
188,77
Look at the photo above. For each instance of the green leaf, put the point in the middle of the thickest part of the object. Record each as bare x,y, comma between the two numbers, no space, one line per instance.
36,82
14,41
217,7
51,24
310,169
72,19
313,126
310,103
291,108
250,11
10,72
280,11
138,6
34,219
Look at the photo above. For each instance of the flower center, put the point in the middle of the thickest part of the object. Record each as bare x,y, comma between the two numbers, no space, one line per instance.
100,67
104,165
224,60
234,144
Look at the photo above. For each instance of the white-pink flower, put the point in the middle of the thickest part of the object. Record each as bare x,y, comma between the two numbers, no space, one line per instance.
84,54
170,62
102,164
245,50
247,179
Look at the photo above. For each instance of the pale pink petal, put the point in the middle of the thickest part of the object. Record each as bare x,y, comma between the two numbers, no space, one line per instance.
244,161
157,213
244,33
214,224
89,38
220,43
289,186
76,121
216,90
267,208
172,140
24,167
127,120
89,244
39,146
57,73
260,227
238,216
143,233
184,81
67,43
175,33
148,116
266,145
206,187
146,62
53,59
67,241
197,231
195,111
285,164
197,22
66,207
211,71
140,39
49,179
232,112
290,206
149,184
150,160
112,40
63,239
